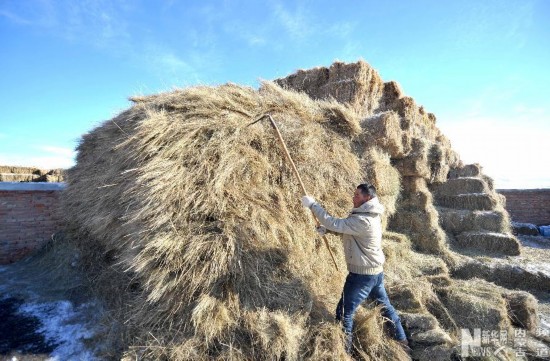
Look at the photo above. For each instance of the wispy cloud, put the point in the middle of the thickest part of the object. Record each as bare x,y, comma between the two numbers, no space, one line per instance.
106,26
47,157
165,62
14,17
58,151
494,19
296,23
98,22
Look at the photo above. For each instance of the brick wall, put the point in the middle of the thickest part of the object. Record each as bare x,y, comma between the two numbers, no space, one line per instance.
528,205
29,215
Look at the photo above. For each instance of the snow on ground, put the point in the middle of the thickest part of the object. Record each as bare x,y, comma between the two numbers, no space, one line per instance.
535,254
56,324
62,324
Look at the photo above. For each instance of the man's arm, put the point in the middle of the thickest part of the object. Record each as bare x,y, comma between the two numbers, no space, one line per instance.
337,225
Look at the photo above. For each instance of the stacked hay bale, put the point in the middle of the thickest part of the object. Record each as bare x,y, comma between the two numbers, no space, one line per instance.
201,214
196,217
434,192
473,213
392,124
30,174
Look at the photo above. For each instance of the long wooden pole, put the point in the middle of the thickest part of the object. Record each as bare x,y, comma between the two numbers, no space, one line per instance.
287,153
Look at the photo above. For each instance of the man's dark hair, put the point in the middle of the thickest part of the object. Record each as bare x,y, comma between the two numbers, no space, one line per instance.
367,189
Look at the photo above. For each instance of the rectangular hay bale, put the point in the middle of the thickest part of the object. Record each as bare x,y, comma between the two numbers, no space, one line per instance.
489,241
457,186
473,201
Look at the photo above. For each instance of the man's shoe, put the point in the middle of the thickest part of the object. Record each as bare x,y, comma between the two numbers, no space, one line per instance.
405,345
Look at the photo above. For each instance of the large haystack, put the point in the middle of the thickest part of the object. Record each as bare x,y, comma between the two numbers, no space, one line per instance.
192,232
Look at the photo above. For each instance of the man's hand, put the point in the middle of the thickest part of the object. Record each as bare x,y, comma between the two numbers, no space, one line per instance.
307,201
322,230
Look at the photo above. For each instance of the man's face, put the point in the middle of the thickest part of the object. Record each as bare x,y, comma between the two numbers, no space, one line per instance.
359,198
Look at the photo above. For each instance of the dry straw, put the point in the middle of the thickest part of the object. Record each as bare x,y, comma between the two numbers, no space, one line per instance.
201,214
191,230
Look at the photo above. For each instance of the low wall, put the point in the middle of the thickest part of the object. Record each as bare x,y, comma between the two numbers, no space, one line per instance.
29,215
528,205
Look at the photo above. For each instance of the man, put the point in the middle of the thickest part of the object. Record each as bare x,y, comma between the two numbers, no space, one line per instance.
362,238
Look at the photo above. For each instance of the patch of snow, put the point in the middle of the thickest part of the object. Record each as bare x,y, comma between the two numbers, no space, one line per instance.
32,186
63,325
534,241
521,224
543,268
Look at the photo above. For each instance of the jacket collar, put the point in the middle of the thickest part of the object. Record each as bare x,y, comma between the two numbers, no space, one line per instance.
373,206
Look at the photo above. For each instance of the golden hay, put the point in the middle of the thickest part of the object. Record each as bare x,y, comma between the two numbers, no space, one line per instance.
456,221
470,170
30,174
522,309
384,131
202,214
188,219
386,179
17,177
476,304
371,343
471,201
489,241
417,217
415,164
457,186
356,84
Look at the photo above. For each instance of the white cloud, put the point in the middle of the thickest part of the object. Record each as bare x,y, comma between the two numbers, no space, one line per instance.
60,151
494,19
45,157
296,23
14,17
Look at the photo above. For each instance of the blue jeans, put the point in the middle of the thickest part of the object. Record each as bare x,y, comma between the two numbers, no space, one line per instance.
357,289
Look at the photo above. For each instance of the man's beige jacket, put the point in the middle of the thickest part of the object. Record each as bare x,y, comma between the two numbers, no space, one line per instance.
361,235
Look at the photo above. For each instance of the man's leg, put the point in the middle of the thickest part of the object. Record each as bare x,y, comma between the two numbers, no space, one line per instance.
356,289
381,297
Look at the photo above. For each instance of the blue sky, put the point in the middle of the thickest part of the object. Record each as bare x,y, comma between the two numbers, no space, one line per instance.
481,66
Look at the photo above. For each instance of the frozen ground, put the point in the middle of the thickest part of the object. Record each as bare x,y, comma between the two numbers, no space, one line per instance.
37,324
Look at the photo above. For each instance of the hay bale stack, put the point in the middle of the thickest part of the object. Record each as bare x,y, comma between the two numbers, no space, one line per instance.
383,106
19,177
196,215
18,170
472,211
203,214
384,131
417,217
415,164
476,304
30,174
356,84
379,172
